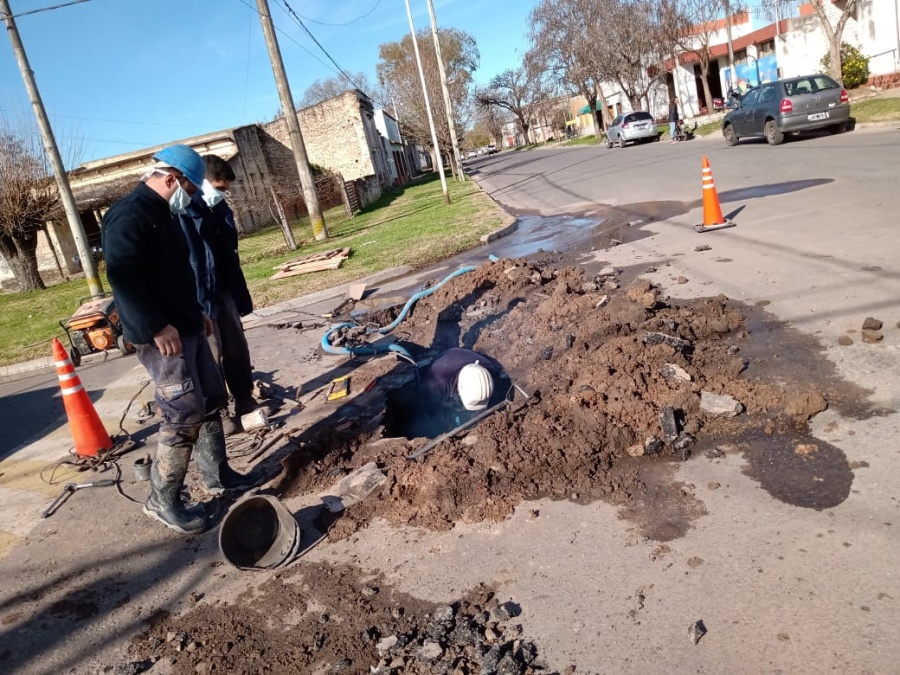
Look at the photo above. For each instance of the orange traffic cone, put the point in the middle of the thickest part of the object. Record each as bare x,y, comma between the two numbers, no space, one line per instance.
712,210
87,429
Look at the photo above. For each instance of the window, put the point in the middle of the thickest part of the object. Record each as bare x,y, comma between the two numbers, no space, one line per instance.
798,87
823,82
767,93
617,121
750,99
640,117
766,48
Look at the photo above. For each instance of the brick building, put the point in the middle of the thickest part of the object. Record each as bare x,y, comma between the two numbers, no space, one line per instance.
340,134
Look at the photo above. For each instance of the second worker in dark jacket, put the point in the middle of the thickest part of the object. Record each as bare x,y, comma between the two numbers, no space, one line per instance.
209,224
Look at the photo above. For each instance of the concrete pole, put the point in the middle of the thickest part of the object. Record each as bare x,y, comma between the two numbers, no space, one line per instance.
730,42
457,158
434,140
307,182
56,163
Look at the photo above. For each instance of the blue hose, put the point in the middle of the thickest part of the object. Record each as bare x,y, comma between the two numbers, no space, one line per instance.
371,349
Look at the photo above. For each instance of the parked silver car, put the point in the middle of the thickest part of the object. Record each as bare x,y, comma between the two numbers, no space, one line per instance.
784,106
633,127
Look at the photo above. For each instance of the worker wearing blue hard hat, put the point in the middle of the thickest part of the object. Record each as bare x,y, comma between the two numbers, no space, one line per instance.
149,269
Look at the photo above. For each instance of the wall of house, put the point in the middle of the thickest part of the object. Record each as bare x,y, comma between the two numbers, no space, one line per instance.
56,255
878,31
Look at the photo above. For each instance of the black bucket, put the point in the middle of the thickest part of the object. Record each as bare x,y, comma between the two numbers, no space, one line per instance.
259,533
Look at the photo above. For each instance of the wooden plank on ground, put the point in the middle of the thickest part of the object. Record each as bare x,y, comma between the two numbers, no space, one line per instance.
311,257
331,263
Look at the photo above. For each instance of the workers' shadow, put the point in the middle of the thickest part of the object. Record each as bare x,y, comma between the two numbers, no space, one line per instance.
448,328
470,337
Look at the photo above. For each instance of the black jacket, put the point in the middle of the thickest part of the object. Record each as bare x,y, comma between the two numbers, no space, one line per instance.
442,375
223,240
148,267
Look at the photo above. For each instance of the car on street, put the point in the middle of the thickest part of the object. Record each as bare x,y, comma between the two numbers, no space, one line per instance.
471,154
788,106
633,127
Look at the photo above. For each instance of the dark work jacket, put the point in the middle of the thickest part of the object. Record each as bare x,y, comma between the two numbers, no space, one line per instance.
148,267
223,240
196,223
441,376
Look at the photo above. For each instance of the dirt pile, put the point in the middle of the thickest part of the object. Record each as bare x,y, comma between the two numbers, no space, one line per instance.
618,376
327,619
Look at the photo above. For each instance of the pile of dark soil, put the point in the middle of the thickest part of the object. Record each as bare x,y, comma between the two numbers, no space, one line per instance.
326,619
616,376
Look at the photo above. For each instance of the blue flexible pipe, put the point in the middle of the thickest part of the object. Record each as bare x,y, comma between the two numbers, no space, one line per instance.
370,349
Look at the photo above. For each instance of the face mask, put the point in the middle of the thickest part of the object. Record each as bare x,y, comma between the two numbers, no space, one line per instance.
179,201
211,195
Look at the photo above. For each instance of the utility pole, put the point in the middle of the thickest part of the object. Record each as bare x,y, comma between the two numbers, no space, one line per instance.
730,42
434,140
307,182
59,171
440,60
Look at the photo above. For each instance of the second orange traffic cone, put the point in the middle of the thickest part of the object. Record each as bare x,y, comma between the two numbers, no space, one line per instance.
88,432
712,210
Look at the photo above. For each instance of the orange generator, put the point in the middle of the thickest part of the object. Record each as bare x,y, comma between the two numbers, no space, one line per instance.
95,327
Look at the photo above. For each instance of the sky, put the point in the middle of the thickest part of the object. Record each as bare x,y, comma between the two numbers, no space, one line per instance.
121,75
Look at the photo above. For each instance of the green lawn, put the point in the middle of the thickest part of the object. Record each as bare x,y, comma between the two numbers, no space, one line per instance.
881,109
583,140
411,226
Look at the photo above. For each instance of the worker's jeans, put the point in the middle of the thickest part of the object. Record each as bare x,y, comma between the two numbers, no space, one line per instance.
672,126
229,348
189,388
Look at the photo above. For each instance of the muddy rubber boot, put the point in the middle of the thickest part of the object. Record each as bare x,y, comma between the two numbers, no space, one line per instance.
209,452
165,502
230,425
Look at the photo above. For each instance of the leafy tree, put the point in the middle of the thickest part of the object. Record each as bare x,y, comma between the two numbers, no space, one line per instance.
28,199
398,75
854,66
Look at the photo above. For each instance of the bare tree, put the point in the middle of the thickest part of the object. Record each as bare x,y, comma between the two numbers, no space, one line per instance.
513,90
567,40
694,23
489,123
638,41
399,78
322,90
28,199
833,21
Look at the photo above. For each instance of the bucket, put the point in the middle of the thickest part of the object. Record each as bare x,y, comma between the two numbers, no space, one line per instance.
259,533
142,468
257,419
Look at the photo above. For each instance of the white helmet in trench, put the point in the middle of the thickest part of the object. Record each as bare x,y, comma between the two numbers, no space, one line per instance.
475,386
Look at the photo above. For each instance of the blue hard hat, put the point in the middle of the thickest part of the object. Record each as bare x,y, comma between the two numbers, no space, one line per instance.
186,160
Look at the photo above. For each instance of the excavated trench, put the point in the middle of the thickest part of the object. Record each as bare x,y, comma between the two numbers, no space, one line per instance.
617,376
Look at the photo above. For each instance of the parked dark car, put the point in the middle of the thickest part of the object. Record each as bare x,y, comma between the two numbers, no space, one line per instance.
633,127
785,106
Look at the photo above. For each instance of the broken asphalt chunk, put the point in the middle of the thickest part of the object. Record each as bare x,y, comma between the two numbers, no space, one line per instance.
663,339
671,371
668,424
696,631
719,405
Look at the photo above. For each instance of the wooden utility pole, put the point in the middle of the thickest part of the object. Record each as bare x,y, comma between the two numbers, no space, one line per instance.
434,140
50,147
440,60
730,43
307,182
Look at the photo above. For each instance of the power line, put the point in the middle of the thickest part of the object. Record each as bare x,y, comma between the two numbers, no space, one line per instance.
299,22
42,9
345,23
290,37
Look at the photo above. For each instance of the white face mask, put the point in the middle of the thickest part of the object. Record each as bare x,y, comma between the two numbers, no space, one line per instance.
179,201
211,195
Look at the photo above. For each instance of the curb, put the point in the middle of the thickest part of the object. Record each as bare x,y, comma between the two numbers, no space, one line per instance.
26,366
511,226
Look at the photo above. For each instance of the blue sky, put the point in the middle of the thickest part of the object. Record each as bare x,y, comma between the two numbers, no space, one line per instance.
126,74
